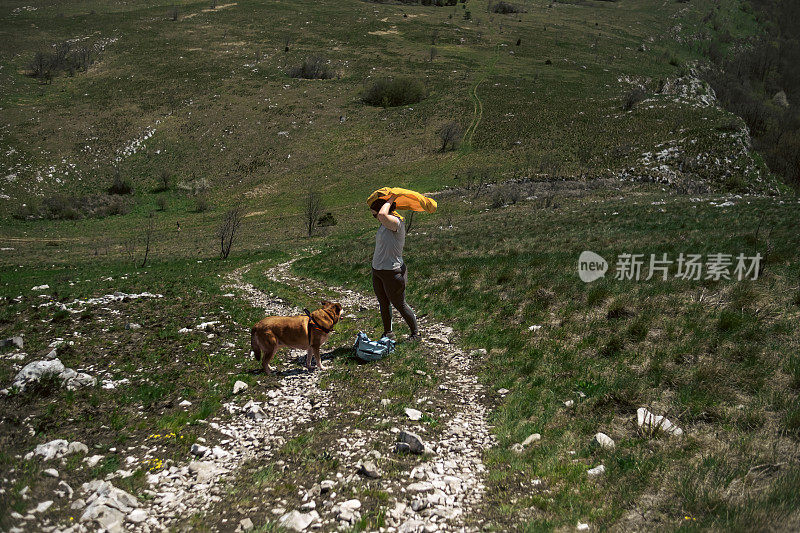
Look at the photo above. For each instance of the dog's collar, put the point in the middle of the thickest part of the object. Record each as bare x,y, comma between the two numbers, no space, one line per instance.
313,323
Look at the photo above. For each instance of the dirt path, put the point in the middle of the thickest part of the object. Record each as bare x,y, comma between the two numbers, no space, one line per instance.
443,492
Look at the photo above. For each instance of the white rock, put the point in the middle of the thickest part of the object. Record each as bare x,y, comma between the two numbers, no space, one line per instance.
137,516
422,486
92,461
185,403
239,386
351,505
198,450
77,447
604,441
596,471
296,521
582,527
52,450
533,437
35,371
42,507
517,448
64,490
413,414
569,403
80,503
502,391
50,472
646,419
246,524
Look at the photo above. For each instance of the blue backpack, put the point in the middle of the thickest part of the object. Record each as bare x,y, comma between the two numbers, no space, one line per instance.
368,350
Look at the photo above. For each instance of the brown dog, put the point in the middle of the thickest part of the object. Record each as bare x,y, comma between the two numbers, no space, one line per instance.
307,331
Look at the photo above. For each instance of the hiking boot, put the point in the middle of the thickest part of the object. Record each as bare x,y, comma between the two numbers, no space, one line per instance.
389,335
414,337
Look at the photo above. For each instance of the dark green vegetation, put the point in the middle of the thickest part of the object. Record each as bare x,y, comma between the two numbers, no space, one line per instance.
193,111
758,78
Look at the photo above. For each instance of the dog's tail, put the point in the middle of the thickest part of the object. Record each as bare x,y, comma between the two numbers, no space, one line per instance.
254,344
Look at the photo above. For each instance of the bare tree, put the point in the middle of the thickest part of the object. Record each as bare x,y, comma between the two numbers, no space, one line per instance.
148,237
409,221
227,230
450,134
312,211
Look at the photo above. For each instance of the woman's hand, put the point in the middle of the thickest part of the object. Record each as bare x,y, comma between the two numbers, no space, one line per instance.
390,222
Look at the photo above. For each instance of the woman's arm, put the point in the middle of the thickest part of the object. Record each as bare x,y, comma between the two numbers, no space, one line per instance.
389,221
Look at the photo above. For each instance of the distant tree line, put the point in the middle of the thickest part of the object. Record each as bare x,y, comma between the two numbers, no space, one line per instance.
760,81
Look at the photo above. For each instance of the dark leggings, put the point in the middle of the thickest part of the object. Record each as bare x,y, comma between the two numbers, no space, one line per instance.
390,288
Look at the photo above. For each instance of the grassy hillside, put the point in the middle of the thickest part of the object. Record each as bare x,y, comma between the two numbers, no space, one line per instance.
586,127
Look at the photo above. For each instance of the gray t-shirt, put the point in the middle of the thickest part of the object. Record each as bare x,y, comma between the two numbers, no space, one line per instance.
389,248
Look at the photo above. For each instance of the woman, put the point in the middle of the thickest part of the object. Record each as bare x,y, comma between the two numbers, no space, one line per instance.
388,268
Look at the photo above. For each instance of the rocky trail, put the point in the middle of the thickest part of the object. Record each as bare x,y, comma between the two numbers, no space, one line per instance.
432,479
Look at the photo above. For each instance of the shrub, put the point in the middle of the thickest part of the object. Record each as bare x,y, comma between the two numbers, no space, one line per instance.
61,57
119,185
392,92
505,8
201,203
315,68
327,220
633,97
63,207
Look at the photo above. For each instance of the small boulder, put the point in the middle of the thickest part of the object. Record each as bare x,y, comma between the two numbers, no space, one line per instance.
534,437
297,521
413,414
50,472
246,524
604,441
15,341
256,413
42,507
54,449
239,386
64,490
137,516
368,469
414,441
198,450
77,447
596,471
35,371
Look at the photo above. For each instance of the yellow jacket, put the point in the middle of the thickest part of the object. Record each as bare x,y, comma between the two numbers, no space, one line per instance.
406,199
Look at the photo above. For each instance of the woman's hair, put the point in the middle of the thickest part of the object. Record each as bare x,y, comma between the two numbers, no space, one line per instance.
377,204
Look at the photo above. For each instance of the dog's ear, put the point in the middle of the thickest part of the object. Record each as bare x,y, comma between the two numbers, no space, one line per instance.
326,303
